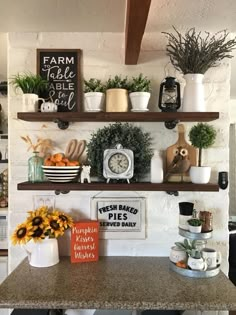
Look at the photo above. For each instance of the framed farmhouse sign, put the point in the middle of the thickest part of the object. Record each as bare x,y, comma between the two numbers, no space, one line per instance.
119,218
62,68
84,241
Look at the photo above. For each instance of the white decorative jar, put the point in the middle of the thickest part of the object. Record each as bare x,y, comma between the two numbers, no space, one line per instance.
197,263
43,253
193,97
30,102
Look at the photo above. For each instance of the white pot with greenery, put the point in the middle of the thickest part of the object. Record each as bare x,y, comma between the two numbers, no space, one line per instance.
193,54
31,85
117,94
94,95
202,136
140,93
195,225
195,260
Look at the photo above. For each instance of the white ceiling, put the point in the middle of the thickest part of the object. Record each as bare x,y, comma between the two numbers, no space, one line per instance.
109,16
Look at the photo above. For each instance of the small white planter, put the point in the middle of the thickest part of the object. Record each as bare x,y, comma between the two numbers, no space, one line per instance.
94,101
200,175
195,229
197,263
139,100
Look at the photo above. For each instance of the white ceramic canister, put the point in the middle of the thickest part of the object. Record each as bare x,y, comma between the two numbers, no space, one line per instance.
185,213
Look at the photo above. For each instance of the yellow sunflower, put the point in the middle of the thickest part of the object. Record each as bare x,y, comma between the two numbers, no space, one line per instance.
38,217
65,221
22,234
53,227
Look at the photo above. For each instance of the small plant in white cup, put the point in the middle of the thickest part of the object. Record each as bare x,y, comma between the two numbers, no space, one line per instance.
94,95
195,225
140,88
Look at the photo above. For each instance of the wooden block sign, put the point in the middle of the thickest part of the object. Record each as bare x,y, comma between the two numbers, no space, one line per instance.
84,241
61,67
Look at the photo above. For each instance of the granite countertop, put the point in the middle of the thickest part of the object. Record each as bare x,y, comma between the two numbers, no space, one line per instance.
114,283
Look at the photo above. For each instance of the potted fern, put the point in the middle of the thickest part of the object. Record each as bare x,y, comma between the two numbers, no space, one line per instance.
202,136
31,85
94,95
193,54
140,88
117,94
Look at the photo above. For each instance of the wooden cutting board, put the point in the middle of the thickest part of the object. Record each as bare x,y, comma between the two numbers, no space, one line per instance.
181,150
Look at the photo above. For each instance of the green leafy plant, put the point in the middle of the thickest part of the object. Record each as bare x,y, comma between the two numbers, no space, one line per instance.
195,222
131,137
194,53
190,248
117,83
29,83
140,84
93,85
202,136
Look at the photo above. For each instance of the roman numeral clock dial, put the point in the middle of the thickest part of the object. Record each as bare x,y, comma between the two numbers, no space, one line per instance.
118,163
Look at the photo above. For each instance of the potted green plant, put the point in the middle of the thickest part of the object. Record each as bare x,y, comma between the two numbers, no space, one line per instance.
31,86
193,54
140,88
195,225
117,94
195,260
201,136
94,95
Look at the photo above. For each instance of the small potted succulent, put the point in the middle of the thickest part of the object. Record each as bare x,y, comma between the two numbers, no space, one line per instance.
202,136
140,88
94,95
117,94
31,85
195,225
195,260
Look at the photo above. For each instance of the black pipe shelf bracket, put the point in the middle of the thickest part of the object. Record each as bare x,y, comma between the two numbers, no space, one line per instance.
63,192
61,123
173,193
171,124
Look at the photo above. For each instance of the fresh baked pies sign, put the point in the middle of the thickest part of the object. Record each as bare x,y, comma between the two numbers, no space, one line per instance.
119,218
61,67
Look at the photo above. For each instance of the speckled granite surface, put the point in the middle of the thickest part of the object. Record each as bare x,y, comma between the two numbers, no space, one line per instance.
114,283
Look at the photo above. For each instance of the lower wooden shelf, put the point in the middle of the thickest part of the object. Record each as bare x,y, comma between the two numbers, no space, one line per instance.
144,186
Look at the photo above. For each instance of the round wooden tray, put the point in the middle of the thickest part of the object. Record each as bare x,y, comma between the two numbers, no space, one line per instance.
195,273
195,236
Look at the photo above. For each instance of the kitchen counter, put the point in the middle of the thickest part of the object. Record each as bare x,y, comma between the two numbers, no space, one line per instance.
114,283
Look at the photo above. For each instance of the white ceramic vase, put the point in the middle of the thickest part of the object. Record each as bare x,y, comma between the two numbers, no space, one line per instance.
193,97
200,174
139,100
43,253
94,101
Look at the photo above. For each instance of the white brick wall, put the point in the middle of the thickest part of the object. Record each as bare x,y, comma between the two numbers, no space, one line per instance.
103,56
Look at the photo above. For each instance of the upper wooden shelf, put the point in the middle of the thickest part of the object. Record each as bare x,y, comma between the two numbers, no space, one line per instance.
127,116
144,186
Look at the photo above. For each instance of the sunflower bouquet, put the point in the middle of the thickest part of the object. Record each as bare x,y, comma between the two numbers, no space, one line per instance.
40,224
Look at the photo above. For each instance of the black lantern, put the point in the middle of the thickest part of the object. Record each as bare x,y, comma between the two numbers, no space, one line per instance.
169,97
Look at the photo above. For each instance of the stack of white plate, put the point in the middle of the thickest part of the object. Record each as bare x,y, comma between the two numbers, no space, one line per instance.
61,174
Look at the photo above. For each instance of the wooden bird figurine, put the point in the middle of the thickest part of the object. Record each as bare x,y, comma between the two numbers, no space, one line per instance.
180,163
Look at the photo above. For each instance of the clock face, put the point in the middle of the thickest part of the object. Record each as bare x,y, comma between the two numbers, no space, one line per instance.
118,163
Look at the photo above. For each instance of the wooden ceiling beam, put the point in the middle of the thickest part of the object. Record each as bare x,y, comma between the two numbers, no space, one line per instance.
136,18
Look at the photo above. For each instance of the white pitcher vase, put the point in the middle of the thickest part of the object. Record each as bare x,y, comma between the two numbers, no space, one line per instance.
193,97
43,253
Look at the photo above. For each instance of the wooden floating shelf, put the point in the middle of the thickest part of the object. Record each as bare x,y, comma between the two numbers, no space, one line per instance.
127,116
145,186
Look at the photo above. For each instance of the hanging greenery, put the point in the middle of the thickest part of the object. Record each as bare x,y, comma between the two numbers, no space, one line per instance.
131,137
